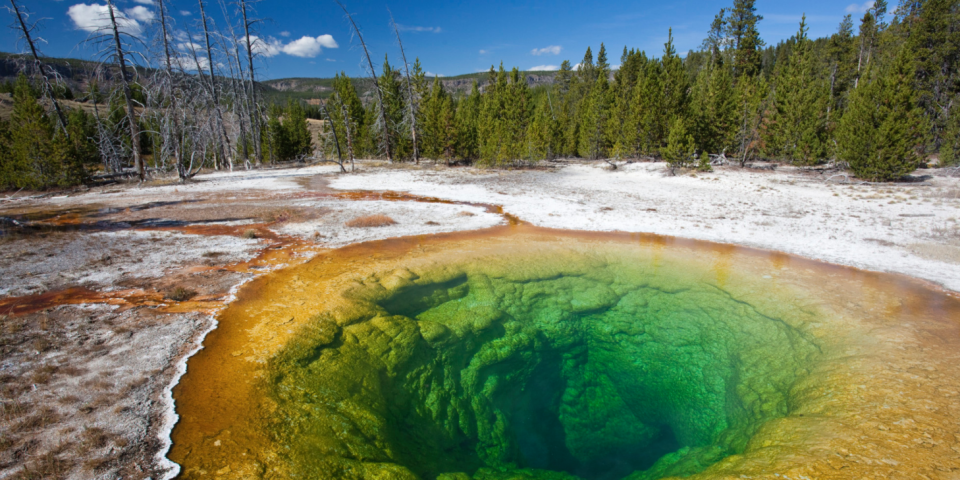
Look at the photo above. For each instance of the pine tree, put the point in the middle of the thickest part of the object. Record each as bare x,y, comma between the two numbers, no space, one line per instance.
394,106
752,103
32,163
540,131
437,122
714,110
950,144
517,111
797,129
467,116
742,28
883,134
680,149
298,141
587,71
602,66
490,131
564,77
347,115
674,81
840,52
593,120
649,121
934,42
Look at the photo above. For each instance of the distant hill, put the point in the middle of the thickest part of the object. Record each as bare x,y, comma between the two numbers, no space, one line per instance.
77,73
321,88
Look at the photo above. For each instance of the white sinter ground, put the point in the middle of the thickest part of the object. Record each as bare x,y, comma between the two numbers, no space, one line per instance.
904,228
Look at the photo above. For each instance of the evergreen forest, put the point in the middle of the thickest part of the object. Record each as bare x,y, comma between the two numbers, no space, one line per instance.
881,96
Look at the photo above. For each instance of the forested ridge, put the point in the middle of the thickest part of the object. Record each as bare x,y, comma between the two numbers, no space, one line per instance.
879,96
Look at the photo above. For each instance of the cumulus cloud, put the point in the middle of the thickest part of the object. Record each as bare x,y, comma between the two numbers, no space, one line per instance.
551,50
140,13
409,28
269,47
305,47
860,8
96,17
543,68
190,64
309,47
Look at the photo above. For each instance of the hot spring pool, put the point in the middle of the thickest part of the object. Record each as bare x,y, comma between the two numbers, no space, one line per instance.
524,353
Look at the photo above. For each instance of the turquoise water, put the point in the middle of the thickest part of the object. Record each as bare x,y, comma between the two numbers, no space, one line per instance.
583,367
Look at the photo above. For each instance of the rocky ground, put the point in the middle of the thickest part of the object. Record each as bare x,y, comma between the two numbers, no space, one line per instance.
105,292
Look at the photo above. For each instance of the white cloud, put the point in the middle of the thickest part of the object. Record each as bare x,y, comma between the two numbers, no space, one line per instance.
309,47
186,13
144,2
270,47
305,47
543,68
329,59
189,64
141,13
431,74
189,46
484,52
284,33
857,8
551,50
408,28
96,17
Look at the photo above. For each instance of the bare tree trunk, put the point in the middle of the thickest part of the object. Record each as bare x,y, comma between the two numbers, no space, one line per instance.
215,94
254,105
346,127
413,100
48,90
376,84
336,141
128,95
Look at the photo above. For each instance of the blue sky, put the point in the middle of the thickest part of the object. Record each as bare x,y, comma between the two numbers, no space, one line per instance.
313,39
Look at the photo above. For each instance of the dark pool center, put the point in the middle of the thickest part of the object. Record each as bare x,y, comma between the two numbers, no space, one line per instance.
596,369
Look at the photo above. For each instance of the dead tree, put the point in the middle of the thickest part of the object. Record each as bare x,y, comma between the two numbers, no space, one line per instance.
346,123
119,56
214,92
41,68
254,106
413,103
376,85
336,141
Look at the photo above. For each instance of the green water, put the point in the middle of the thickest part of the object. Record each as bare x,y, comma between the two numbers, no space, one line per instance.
592,368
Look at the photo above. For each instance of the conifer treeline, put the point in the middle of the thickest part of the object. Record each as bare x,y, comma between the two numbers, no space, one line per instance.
880,100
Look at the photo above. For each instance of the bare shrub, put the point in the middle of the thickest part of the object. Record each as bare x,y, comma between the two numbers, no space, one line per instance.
371,221
181,294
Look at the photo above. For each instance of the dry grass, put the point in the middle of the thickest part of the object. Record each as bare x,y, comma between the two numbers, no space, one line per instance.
466,214
371,221
181,294
249,234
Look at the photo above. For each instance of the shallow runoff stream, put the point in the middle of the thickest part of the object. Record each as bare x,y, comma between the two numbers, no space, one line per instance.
526,353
